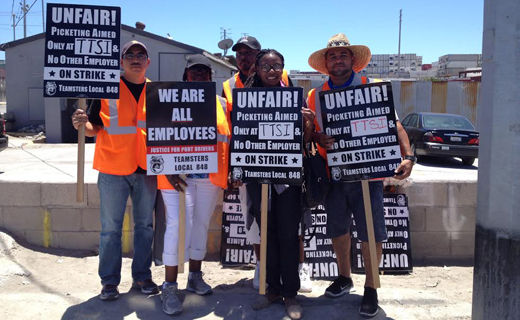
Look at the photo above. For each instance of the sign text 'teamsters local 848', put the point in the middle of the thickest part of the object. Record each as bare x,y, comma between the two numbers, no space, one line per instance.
82,46
266,143
362,121
181,127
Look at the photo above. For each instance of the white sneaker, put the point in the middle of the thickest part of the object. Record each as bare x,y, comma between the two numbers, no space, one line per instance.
305,278
256,279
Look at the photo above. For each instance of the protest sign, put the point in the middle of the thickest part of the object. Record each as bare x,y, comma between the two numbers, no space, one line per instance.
362,121
235,247
181,128
266,144
317,247
82,51
397,254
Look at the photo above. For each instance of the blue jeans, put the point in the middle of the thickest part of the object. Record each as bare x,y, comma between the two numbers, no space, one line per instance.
113,192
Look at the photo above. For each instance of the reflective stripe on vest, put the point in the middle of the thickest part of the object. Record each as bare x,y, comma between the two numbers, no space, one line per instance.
114,127
223,103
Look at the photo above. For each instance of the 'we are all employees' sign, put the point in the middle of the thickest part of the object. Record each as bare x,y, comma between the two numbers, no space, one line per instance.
266,143
82,51
181,127
362,121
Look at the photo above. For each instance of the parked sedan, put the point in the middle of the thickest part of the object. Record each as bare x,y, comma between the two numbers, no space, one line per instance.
442,135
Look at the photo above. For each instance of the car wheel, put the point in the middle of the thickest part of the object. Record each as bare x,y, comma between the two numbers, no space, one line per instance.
468,161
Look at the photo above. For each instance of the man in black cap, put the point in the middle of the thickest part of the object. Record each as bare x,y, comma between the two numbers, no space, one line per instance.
120,158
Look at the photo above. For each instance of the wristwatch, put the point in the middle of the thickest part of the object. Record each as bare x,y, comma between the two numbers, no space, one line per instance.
411,158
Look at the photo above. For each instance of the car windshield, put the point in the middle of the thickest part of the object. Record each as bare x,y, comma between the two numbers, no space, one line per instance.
442,121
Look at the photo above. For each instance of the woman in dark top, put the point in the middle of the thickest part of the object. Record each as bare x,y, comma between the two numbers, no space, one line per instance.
285,211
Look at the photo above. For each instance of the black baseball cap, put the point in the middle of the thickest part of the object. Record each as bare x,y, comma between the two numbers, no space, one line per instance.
196,59
249,41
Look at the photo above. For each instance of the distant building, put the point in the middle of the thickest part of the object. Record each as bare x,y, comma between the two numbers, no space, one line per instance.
24,66
393,65
451,64
307,79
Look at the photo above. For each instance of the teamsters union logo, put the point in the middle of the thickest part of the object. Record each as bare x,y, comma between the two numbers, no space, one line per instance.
237,173
50,88
336,173
401,201
157,164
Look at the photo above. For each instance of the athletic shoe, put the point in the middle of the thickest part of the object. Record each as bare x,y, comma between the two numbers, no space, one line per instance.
146,286
256,279
342,285
369,306
196,284
109,292
305,278
171,304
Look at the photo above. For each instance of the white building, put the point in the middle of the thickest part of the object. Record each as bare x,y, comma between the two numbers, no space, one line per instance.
393,65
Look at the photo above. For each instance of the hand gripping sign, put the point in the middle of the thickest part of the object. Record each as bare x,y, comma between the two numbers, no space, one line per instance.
362,121
266,144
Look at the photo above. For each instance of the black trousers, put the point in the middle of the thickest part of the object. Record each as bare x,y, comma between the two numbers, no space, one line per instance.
283,246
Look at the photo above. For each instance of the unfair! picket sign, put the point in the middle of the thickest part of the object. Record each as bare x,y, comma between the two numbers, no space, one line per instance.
82,46
266,144
362,121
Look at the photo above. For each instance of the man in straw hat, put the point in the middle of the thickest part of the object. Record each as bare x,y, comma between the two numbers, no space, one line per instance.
343,62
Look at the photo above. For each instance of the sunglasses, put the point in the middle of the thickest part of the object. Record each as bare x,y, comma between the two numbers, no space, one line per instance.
268,67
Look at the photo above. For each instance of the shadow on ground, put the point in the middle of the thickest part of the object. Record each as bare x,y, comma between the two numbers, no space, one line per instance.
230,302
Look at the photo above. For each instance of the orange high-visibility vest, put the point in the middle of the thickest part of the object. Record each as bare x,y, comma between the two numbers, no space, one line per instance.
121,144
313,102
235,82
218,178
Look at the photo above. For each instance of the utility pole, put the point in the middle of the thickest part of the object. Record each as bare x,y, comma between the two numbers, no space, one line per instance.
24,9
14,27
399,45
43,18
400,20
496,276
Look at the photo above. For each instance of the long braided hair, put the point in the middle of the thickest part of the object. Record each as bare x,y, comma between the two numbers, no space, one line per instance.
254,80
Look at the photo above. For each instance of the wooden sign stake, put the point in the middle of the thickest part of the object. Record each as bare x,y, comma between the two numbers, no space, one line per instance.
182,228
370,231
263,237
80,183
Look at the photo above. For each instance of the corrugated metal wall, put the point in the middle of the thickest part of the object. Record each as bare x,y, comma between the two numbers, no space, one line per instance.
458,97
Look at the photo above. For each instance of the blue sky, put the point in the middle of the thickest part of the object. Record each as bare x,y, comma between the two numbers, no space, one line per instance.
295,28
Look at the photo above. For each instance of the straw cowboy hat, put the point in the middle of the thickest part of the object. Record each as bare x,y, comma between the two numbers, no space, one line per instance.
361,54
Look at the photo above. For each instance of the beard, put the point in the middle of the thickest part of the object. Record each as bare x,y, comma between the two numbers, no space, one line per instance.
340,72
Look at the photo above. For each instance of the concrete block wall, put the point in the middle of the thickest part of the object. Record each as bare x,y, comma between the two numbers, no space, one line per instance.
442,218
442,221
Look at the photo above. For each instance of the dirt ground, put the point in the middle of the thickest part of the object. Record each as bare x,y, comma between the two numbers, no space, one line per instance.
54,284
